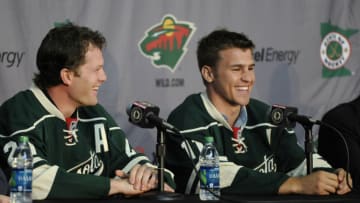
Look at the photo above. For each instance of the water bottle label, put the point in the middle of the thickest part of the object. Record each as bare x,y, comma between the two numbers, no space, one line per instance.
209,177
21,180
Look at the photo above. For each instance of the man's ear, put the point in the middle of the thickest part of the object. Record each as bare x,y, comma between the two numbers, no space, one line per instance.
66,76
207,74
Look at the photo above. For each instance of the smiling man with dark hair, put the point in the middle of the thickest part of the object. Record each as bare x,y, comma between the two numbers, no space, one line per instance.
256,156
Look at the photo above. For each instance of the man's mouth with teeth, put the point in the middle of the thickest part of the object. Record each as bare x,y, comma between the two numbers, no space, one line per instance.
244,88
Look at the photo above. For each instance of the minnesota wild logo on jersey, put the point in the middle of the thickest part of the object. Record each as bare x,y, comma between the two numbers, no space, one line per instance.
269,165
93,165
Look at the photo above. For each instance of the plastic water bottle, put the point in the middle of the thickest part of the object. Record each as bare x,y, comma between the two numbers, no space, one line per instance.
209,171
21,175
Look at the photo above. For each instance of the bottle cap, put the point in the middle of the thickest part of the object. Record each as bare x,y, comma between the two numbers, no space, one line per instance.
24,139
209,139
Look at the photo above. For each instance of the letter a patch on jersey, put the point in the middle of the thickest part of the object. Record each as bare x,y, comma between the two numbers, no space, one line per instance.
100,138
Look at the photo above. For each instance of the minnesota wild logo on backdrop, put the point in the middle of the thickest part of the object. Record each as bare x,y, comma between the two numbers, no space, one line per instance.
335,50
165,43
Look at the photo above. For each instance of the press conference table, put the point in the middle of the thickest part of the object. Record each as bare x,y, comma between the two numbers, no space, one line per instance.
351,198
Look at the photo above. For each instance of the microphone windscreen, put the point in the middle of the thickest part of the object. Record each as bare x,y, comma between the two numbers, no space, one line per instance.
139,113
128,109
279,115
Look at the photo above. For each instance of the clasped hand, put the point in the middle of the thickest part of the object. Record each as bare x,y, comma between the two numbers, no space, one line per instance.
319,182
325,183
140,179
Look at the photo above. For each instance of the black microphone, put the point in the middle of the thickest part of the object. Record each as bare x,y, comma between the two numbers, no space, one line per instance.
145,115
288,116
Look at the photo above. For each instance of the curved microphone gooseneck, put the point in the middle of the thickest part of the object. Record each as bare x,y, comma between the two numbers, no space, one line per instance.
287,116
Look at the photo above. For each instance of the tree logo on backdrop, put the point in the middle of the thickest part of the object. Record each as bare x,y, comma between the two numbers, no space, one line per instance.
166,43
335,50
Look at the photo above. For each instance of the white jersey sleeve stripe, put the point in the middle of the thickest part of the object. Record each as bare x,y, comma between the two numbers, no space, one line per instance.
43,179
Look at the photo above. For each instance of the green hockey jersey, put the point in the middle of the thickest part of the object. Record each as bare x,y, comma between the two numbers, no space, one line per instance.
254,160
72,157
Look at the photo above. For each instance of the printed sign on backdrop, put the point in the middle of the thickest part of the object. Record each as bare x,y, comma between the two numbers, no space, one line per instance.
166,43
335,50
151,50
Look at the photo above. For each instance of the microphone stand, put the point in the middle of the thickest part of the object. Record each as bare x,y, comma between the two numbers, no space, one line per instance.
160,155
308,146
161,194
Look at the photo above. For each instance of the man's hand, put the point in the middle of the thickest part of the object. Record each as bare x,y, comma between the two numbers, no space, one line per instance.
122,186
141,179
317,183
4,199
343,186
